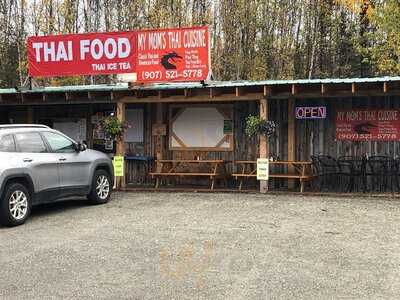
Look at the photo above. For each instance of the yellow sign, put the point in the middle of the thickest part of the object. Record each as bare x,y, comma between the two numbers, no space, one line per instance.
118,163
262,169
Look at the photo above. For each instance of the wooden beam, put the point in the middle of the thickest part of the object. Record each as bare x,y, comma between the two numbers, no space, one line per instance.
69,96
323,89
238,91
294,89
353,88
212,93
267,91
385,87
187,93
193,98
264,149
120,182
291,138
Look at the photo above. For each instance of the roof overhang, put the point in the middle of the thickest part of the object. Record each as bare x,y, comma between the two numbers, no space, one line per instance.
212,91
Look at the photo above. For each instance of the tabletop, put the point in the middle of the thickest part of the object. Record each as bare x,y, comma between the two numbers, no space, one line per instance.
189,161
275,162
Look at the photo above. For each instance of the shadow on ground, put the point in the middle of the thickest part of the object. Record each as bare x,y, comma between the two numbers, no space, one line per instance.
57,207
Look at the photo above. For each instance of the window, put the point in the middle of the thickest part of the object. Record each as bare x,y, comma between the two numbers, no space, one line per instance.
30,142
59,143
7,144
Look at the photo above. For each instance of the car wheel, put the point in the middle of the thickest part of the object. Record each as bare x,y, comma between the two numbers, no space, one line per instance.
15,205
101,188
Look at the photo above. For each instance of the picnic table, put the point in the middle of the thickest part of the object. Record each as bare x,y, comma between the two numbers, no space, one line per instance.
213,169
302,171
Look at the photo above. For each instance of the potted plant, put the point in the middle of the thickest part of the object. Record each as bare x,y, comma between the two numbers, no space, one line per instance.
256,125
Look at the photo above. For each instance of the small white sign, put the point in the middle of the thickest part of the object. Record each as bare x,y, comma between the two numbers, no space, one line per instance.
262,169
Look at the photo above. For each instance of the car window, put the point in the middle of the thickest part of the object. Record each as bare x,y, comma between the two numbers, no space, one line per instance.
59,143
30,142
7,144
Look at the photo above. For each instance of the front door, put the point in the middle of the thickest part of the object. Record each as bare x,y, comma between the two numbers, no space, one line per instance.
74,167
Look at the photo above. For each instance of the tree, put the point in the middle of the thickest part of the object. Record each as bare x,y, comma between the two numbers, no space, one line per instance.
253,39
386,50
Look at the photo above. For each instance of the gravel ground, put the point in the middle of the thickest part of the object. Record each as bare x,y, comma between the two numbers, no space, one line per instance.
205,246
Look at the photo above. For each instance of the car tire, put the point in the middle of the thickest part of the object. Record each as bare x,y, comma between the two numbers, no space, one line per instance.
15,206
101,187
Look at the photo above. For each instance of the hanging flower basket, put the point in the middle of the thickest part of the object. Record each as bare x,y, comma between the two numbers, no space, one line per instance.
113,128
255,125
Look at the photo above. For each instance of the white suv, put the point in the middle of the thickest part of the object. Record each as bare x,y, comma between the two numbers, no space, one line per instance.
39,165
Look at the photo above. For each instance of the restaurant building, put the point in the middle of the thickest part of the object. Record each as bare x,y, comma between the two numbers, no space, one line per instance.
177,122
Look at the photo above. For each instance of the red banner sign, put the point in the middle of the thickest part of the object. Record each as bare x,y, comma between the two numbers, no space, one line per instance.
368,125
82,54
155,55
173,55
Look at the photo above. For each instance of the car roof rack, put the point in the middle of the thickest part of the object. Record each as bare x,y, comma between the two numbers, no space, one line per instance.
14,126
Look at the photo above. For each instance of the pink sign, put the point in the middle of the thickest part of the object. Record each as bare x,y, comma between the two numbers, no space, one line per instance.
314,112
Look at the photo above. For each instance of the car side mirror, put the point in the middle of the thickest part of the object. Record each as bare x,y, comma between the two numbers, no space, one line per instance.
80,147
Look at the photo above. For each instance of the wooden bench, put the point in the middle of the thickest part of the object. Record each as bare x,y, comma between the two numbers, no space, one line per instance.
171,168
302,171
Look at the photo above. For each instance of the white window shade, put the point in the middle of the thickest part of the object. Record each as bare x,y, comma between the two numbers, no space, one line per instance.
200,128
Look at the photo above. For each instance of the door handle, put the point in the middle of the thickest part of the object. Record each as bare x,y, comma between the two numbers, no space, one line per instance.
62,159
27,159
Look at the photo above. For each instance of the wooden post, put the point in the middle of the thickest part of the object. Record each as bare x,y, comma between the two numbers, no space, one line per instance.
89,126
121,143
264,151
30,116
159,145
291,139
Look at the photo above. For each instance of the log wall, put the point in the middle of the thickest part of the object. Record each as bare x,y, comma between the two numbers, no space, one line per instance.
313,137
316,137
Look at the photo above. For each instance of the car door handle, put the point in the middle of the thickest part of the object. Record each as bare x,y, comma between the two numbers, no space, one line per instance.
62,159
27,159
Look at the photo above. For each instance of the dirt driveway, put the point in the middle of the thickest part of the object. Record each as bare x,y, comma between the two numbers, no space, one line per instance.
205,246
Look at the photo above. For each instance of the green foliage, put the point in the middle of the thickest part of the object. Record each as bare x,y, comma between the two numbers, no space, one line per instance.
250,39
113,127
386,49
255,125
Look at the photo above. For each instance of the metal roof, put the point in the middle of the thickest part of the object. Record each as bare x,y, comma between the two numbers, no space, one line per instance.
194,85
72,88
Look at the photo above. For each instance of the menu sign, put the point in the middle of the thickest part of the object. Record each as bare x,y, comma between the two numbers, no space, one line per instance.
368,125
173,54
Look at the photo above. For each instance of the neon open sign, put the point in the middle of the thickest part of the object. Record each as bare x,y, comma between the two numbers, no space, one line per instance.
315,112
